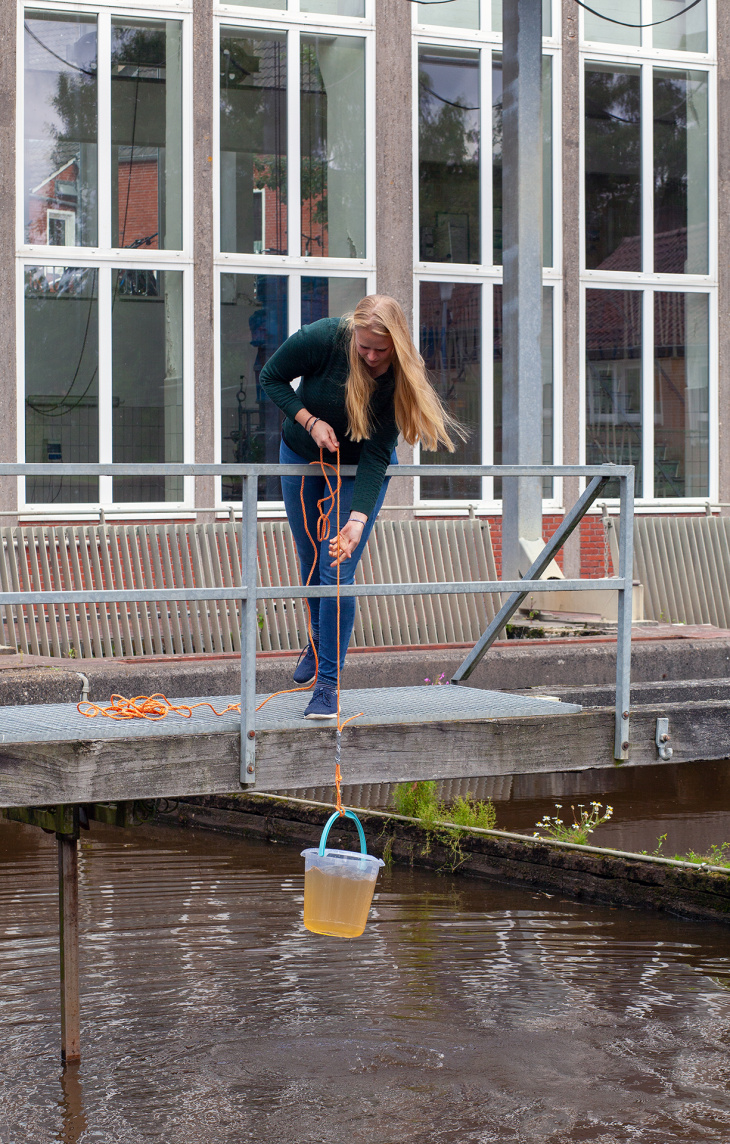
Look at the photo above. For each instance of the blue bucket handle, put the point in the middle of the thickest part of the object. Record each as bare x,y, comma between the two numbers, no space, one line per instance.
355,819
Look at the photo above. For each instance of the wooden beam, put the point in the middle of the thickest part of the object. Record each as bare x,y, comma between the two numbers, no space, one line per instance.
38,774
68,912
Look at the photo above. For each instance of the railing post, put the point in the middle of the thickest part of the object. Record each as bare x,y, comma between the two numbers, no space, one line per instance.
625,616
249,618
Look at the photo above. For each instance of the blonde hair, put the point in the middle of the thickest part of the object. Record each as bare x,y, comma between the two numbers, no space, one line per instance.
419,414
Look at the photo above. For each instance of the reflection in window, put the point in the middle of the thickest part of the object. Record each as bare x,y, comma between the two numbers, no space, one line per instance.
448,103
685,33
547,387
605,32
61,379
147,134
456,14
613,168
60,112
253,326
681,240
253,126
335,7
333,146
547,160
681,395
330,297
613,381
147,379
450,333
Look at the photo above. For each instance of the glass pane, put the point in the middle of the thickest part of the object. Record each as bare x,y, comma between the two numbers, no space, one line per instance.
253,326
333,146
547,160
448,115
547,386
147,379
456,14
280,5
605,32
147,134
61,379
681,181
613,381
686,33
451,344
336,7
330,297
681,395
60,113
547,23
613,168
253,128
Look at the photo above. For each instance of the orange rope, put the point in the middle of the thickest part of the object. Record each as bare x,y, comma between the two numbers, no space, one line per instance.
156,707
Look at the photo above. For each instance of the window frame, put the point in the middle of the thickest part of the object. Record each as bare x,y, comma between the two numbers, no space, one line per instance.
649,282
104,258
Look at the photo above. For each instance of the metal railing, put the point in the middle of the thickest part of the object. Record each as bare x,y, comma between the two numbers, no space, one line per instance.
249,593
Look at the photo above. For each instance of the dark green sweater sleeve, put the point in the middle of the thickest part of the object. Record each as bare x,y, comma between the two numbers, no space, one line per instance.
292,359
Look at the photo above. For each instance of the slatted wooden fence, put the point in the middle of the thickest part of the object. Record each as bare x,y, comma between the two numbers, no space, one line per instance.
78,557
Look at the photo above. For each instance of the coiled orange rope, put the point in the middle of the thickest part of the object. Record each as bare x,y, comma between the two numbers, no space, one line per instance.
156,707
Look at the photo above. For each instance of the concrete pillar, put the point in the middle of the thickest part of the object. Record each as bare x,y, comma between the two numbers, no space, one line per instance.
571,270
723,236
205,78
394,178
8,407
522,291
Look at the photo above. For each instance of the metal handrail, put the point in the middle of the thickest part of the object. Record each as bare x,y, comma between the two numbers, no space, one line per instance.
249,592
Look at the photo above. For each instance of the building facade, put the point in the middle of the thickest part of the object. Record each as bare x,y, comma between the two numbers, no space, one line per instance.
187,184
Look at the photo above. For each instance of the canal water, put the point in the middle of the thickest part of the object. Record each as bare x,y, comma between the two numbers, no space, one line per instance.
468,1013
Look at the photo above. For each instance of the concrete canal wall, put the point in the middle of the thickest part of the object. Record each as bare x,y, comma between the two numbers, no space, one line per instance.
582,872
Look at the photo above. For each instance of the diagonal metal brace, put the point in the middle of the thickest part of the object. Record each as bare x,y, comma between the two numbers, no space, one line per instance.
505,613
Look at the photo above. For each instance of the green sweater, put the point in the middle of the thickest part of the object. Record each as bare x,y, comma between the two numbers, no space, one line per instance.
319,355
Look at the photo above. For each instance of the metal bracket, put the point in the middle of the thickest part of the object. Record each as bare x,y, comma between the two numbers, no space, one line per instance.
662,738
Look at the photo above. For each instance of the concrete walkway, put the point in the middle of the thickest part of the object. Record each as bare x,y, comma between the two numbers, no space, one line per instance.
659,652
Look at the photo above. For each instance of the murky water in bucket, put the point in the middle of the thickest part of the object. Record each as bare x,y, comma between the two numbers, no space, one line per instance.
467,1013
338,890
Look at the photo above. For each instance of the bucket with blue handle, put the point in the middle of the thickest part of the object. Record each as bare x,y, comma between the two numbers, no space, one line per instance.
339,885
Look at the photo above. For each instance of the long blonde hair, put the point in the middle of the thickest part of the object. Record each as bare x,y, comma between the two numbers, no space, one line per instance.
419,414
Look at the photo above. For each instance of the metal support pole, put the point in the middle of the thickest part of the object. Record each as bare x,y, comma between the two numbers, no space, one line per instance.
625,615
68,913
249,629
522,177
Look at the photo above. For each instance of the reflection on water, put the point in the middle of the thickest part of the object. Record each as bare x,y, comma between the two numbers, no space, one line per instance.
466,1013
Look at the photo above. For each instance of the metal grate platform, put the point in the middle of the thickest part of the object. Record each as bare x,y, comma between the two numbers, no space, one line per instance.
61,722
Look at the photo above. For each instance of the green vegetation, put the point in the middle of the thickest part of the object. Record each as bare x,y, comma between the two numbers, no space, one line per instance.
715,856
442,823
580,829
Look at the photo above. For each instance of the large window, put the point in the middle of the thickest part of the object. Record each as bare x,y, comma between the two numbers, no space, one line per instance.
459,235
650,280
103,167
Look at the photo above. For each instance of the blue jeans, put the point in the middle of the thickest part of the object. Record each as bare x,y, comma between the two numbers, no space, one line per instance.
324,612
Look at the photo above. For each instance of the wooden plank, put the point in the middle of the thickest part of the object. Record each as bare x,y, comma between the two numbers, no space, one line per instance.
68,915
173,766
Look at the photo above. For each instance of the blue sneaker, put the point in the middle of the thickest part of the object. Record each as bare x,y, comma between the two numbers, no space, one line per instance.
323,704
306,668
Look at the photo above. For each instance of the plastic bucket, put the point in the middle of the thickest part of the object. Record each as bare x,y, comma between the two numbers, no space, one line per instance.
338,886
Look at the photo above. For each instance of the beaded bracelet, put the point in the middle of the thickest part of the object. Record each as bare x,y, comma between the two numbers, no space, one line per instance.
309,421
309,430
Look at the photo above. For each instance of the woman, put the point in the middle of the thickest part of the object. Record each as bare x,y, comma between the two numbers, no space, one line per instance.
363,382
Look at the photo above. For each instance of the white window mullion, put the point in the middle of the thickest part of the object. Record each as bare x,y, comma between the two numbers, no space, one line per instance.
647,169
485,157
293,166
104,155
647,394
487,429
105,379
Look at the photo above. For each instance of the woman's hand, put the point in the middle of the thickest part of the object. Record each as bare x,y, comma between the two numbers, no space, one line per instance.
344,544
324,437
